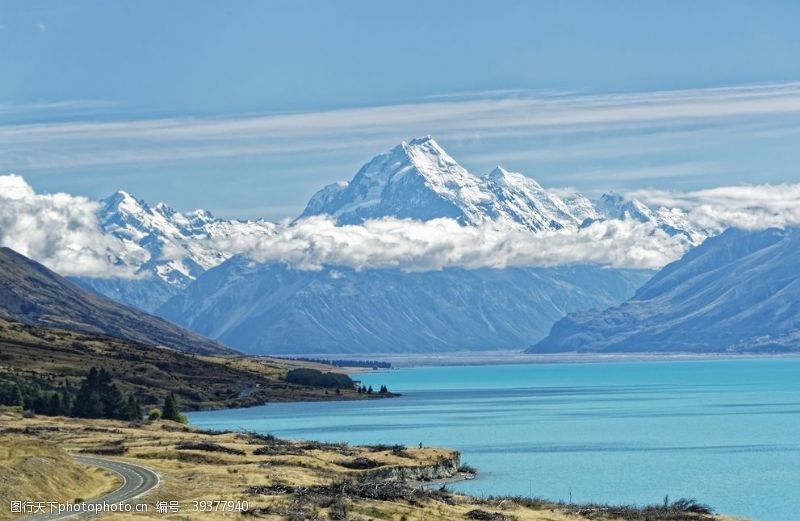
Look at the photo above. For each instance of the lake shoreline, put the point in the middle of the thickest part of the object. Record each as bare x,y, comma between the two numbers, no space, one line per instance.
599,432
274,477
473,358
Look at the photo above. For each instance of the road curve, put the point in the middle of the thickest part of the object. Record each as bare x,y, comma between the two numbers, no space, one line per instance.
136,481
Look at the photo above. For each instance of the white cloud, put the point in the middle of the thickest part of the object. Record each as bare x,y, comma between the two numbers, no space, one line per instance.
750,207
61,231
419,246
441,243
58,230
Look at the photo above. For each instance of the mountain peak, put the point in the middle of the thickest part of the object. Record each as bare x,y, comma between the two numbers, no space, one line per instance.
498,171
419,180
123,202
507,176
616,206
423,140
427,155
165,209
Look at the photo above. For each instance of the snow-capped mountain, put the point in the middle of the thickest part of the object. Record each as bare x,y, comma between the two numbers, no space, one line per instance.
166,248
419,180
179,246
671,220
737,292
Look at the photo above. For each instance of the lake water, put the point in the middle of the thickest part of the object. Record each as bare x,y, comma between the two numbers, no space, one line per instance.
726,432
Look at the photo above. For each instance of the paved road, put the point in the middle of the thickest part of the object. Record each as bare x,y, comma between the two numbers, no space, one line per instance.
136,481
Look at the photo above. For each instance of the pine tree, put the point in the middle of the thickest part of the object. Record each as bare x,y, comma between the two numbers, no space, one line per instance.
88,403
54,407
40,403
170,410
67,404
16,396
369,390
133,409
113,403
10,394
92,406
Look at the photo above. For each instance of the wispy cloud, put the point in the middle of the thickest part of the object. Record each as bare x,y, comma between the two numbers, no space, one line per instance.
55,108
652,117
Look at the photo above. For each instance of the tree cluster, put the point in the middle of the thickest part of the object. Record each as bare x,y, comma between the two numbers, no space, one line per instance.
369,390
97,397
313,377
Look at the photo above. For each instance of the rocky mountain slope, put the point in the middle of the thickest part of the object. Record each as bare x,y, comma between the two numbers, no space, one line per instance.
270,308
737,292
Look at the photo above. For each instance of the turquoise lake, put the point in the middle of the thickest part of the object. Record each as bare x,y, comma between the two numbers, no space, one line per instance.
726,432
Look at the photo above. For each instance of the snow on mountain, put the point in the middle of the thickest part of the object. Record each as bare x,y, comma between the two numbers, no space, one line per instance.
736,292
167,249
671,220
419,180
415,180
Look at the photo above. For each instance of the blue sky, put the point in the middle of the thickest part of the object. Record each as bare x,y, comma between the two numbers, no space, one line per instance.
246,108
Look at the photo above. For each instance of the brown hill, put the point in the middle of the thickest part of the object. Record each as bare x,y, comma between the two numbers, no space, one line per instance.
53,358
32,294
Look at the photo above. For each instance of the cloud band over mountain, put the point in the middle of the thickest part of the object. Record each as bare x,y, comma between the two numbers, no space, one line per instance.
62,231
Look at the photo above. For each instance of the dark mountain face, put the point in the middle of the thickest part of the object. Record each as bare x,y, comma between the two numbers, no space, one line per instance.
738,292
32,294
145,293
270,308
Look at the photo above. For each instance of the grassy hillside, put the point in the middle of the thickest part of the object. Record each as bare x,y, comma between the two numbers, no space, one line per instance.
55,357
38,470
32,294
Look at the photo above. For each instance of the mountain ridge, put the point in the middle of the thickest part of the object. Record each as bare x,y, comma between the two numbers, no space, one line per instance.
270,308
167,250
737,292
32,294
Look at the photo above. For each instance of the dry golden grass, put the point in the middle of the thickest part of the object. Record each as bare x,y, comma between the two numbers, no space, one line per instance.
36,470
232,462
